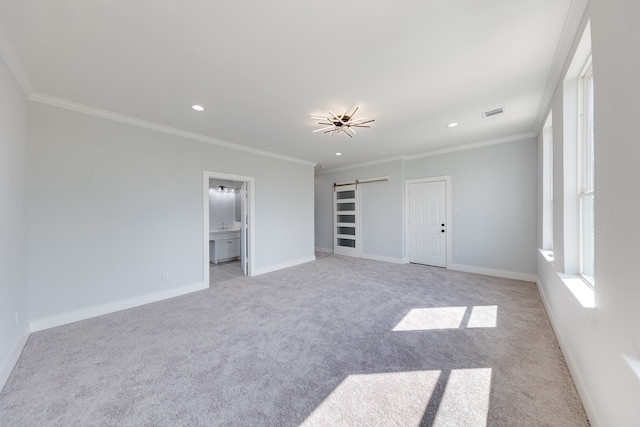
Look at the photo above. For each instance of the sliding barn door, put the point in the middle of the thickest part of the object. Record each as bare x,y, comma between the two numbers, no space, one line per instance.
346,221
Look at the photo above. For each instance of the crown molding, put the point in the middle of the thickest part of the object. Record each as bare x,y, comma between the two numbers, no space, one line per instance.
13,62
569,33
15,65
502,140
486,143
81,108
361,165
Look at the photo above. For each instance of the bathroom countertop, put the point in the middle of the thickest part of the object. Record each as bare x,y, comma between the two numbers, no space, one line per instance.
229,230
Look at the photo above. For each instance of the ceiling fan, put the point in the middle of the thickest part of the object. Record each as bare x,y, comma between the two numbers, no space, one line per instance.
343,123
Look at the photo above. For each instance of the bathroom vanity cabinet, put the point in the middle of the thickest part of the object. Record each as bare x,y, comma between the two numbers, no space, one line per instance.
224,245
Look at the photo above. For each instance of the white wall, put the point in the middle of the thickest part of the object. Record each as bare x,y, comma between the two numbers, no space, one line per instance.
493,188
113,206
593,342
13,221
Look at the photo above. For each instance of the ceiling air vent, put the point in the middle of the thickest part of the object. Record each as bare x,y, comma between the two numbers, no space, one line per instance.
492,113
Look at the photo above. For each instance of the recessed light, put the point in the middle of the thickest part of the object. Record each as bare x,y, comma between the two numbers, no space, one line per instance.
452,125
338,154
198,108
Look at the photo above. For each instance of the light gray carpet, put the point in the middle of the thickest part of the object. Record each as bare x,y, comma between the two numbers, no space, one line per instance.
313,345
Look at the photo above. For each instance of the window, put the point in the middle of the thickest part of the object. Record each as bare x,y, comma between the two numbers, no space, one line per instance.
586,163
547,184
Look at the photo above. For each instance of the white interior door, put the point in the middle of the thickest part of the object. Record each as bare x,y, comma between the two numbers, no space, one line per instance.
244,230
346,221
427,225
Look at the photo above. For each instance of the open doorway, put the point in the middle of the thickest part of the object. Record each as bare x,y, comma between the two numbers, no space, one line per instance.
228,212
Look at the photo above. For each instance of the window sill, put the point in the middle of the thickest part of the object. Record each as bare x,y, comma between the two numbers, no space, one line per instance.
548,255
580,290
633,363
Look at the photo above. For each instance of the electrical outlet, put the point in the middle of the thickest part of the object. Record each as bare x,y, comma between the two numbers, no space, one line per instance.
165,275
456,253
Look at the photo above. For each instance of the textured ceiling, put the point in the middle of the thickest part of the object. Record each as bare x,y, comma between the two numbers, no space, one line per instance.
262,68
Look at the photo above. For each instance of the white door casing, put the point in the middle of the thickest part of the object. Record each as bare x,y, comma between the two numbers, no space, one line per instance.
244,229
249,219
346,220
427,223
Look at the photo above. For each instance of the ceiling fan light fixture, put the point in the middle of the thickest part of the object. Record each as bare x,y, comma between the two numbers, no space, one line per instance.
343,123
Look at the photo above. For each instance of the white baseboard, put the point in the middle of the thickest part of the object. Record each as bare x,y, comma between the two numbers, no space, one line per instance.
99,310
585,397
287,264
491,272
12,358
324,250
383,258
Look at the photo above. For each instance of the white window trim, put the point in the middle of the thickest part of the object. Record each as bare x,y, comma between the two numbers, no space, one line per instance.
547,183
584,192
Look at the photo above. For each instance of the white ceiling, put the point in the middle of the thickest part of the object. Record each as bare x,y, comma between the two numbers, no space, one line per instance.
261,68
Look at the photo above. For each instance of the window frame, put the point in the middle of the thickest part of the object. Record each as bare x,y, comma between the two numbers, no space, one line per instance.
586,167
547,183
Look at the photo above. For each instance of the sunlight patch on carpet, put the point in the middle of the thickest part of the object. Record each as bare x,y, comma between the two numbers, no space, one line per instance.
483,316
466,399
421,319
425,319
381,399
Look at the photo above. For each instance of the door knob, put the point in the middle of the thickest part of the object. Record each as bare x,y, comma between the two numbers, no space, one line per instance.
442,231
443,225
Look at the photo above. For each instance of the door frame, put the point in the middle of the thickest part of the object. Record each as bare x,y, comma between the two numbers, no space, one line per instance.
250,250
448,215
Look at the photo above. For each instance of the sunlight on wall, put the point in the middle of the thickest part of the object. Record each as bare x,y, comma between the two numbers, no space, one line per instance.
424,319
466,399
395,398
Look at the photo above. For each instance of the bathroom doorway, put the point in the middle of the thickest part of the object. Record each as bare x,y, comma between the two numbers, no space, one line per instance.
227,226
